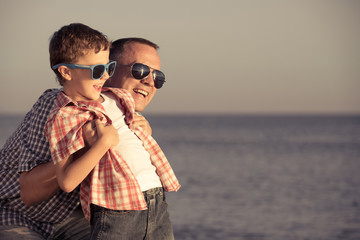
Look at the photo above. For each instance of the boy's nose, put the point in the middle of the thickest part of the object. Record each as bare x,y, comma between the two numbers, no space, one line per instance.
105,76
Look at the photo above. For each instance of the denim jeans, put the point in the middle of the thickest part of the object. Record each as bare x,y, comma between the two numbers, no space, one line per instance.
75,227
151,224
11,232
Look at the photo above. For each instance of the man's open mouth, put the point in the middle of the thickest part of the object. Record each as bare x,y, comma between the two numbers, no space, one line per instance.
140,91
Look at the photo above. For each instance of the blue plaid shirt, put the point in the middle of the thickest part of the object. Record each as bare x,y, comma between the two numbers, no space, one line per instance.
24,150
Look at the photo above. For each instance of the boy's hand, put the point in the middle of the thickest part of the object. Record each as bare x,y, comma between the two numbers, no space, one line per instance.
89,133
140,121
106,133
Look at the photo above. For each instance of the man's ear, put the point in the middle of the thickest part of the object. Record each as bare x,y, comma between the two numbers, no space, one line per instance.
65,72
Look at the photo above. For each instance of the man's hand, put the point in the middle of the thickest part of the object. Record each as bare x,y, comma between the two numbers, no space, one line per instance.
140,121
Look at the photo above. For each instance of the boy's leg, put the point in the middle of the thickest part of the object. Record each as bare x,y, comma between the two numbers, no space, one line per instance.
17,232
75,227
151,224
159,224
120,225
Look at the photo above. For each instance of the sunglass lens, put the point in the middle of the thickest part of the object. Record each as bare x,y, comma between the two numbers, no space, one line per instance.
98,71
140,71
159,78
111,68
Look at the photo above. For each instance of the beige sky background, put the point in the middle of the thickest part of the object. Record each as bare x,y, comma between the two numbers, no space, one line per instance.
238,56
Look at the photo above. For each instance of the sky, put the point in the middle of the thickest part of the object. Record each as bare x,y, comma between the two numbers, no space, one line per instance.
219,57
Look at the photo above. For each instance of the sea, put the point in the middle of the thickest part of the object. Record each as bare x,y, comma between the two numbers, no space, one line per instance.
259,177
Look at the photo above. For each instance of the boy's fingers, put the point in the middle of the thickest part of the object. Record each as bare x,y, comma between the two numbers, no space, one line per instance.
98,123
89,133
87,126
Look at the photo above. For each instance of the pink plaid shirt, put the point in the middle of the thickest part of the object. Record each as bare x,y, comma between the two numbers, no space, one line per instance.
111,184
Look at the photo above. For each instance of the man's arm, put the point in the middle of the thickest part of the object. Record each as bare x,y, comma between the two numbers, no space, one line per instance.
38,184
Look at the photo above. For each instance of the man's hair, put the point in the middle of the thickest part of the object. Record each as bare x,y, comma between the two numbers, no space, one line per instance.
73,41
117,47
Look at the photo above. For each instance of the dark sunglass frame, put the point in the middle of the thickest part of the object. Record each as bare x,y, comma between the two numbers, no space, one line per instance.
110,66
141,71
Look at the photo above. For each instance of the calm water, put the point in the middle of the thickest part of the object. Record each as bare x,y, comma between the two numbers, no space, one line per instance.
257,178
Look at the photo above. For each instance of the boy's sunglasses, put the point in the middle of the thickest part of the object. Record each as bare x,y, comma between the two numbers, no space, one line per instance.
97,71
141,71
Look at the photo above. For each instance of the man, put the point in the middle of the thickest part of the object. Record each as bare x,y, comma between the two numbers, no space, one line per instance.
28,185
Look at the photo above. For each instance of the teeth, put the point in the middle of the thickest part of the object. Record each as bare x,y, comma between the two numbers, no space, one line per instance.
141,92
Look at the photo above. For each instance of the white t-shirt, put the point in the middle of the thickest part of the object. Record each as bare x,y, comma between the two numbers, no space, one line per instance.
130,146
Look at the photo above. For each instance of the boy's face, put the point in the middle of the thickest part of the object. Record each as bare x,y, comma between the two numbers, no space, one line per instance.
80,86
141,90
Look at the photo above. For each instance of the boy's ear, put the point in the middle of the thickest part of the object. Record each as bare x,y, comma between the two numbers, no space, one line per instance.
65,72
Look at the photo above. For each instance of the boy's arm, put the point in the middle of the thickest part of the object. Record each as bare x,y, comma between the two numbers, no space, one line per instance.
70,173
40,183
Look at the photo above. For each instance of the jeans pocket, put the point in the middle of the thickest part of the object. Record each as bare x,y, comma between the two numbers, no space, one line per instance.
110,212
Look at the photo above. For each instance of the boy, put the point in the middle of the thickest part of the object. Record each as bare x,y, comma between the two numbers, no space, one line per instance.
111,180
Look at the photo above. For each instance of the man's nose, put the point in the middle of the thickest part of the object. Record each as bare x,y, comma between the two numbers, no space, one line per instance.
149,80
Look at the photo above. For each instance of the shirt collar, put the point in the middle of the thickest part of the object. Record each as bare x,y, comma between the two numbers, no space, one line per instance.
124,97
126,101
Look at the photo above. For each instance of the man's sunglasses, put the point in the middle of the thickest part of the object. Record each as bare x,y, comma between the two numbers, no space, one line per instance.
97,71
141,71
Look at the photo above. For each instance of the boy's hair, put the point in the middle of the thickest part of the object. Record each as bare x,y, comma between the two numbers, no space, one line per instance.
73,41
117,47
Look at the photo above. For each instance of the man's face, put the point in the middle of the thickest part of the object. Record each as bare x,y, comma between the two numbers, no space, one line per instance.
141,90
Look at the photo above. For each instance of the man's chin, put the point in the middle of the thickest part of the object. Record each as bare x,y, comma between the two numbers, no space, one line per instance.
139,106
